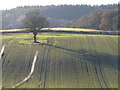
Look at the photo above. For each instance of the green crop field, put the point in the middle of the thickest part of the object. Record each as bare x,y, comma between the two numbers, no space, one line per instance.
66,61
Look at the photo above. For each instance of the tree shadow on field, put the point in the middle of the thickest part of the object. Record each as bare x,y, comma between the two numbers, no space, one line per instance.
91,55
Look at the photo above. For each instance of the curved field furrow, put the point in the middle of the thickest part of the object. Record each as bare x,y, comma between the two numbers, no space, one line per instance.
47,66
41,65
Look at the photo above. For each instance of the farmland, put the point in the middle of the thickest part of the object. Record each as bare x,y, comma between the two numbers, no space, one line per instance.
66,61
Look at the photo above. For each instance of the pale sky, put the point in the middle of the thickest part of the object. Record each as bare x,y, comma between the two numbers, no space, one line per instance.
8,4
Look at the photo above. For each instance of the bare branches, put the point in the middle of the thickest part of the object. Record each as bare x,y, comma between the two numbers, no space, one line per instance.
29,75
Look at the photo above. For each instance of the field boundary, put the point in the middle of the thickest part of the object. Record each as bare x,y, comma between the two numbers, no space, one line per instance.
74,31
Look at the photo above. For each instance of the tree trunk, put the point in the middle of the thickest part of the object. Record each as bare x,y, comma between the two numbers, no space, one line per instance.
34,33
35,38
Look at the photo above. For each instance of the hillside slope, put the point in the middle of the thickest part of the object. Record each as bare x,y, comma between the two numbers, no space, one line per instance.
57,15
67,61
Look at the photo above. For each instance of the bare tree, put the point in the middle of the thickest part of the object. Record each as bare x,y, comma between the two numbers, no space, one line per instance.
34,21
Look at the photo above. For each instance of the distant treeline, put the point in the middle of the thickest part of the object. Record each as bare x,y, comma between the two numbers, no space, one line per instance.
104,20
57,15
